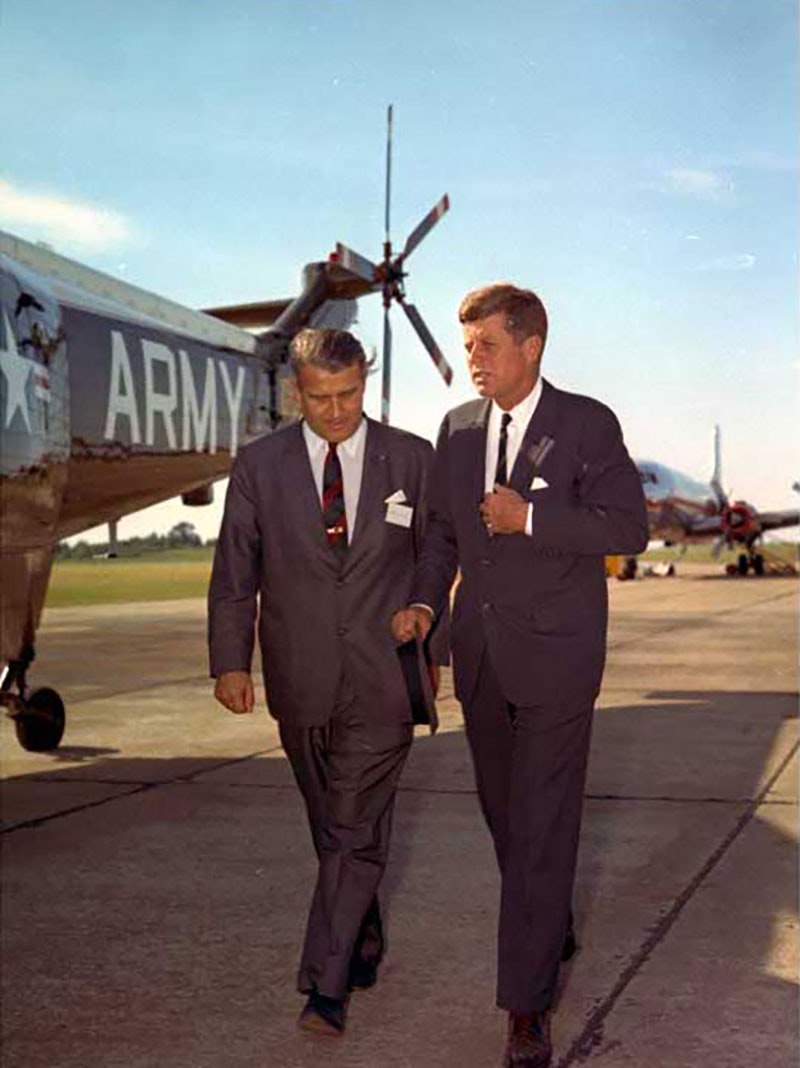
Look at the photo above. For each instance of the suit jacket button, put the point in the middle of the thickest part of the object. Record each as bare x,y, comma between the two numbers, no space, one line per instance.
340,633
486,562
486,606
340,582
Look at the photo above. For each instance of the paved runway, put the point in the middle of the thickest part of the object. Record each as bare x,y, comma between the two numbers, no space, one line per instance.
156,869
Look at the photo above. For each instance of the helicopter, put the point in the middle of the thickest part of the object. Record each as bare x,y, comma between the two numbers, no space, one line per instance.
113,398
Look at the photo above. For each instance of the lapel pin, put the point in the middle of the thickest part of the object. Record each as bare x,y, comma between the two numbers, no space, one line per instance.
539,452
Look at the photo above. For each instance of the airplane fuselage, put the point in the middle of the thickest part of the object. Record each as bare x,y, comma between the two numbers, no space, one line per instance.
106,406
679,508
173,409
682,510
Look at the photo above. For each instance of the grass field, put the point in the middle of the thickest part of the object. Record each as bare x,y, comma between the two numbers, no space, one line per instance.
168,576
701,554
178,573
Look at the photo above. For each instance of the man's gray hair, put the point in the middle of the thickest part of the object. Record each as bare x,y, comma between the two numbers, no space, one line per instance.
332,350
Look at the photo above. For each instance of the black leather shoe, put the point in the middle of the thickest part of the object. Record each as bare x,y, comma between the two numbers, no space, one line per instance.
363,974
323,1015
528,1044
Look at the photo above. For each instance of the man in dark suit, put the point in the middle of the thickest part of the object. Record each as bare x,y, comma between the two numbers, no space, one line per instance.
532,487
323,521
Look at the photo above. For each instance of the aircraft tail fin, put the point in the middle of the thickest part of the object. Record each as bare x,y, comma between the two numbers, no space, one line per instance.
716,478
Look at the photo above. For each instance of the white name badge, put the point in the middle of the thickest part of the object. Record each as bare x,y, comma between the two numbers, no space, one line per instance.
399,514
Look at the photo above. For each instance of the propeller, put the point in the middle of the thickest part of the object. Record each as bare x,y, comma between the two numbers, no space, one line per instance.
716,477
389,276
740,523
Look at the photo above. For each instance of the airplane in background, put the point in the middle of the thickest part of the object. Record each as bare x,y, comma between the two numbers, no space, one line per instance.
113,399
683,511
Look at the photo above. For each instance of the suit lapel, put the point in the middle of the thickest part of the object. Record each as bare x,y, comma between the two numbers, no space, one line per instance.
476,448
542,424
469,461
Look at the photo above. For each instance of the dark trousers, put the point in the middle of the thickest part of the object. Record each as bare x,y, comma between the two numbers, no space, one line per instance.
530,768
348,771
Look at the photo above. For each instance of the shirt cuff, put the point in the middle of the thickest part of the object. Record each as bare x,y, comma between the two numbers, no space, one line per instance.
529,520
419,604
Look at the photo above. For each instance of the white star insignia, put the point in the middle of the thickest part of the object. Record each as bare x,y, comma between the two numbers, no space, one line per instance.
17,371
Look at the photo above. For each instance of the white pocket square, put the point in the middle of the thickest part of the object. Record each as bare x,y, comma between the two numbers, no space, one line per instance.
539,483
398,497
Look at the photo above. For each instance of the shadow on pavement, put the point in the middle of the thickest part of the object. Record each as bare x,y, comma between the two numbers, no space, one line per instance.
153,913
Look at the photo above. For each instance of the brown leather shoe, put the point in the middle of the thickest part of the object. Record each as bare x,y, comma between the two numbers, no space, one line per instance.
528,1044
323,1015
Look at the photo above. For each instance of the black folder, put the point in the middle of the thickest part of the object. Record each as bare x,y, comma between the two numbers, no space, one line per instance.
413,661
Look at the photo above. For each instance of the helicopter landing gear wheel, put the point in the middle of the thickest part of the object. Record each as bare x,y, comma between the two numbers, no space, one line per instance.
40,721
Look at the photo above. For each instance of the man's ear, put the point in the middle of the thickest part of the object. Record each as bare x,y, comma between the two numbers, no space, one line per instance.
532,347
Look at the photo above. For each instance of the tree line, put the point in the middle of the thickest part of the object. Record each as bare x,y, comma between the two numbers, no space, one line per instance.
181,536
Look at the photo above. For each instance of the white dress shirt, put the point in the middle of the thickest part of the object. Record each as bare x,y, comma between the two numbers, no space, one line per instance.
351,457
521,415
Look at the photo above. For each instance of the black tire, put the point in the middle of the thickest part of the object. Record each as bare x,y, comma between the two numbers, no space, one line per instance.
43,730
758,564
629,568
742,564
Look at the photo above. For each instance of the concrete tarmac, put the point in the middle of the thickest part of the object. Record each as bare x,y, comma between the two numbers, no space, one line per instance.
157,867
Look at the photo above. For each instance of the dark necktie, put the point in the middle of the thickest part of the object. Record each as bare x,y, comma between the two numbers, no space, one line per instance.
333,512
501,475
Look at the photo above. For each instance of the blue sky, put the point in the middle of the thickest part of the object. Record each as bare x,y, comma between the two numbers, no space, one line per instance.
634,161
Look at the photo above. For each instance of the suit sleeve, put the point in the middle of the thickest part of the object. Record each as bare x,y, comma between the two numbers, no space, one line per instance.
233,592
607,514
438,560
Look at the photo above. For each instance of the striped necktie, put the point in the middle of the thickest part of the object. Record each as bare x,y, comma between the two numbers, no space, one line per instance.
333,512
501,475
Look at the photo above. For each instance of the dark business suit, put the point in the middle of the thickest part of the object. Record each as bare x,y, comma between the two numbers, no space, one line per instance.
331,672
528,640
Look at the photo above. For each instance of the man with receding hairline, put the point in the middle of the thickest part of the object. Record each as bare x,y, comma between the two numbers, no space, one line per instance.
322,526
532,487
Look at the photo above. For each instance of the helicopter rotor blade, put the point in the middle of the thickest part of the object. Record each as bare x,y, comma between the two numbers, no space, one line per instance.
386,394
356,263
425,227
388,277
425,336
